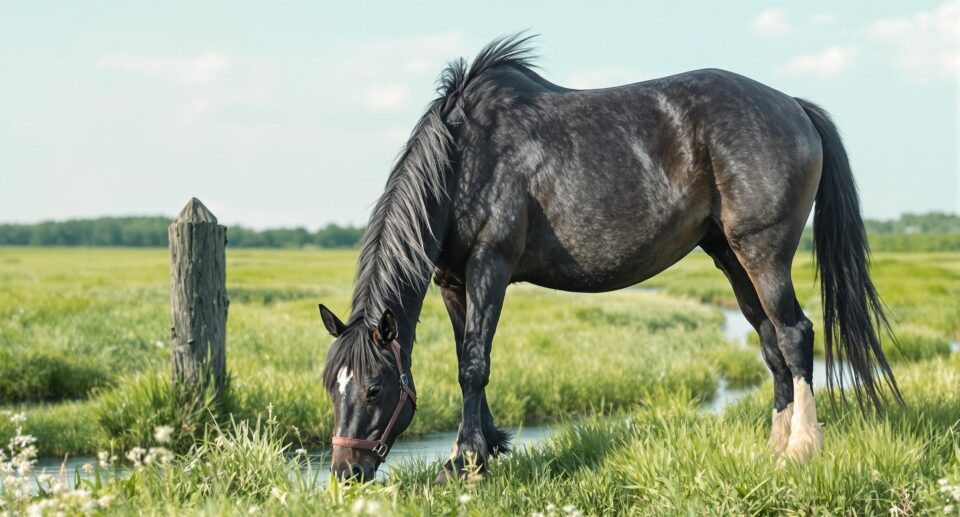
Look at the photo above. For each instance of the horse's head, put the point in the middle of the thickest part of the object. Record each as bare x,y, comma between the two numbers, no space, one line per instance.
372,393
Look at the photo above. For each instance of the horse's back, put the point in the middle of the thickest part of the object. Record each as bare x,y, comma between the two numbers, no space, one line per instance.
614,185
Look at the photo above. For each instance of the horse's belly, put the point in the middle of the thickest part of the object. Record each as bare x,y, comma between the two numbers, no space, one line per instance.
610,257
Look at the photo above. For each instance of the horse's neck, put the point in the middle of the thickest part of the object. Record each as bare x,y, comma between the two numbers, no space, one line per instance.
408,305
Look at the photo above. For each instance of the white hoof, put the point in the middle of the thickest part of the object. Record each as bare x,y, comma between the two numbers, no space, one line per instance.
780,430
806,434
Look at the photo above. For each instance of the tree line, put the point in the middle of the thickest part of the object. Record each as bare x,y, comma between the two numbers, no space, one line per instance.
152,232
933,231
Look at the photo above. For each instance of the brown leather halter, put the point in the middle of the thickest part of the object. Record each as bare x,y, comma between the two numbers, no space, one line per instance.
380,446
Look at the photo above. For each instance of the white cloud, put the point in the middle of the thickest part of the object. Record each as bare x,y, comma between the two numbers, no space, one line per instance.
925,43
772,21
386,96
826,63
823,18
200,68
400,72
602,77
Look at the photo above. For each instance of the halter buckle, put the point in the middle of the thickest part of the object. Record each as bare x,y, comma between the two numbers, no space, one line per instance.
404,380
380,449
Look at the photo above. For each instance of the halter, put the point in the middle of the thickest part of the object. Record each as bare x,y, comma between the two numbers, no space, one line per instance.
380,446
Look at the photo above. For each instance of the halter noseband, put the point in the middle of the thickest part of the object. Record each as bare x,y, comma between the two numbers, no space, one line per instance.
380,446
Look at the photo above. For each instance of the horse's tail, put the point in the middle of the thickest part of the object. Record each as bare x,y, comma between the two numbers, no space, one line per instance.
853,315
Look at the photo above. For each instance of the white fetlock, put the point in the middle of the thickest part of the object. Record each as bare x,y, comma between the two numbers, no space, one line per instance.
806,434
780,430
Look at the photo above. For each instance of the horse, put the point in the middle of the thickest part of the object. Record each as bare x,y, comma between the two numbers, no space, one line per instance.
509,178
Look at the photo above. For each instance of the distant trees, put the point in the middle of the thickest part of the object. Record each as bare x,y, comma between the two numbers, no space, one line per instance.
152,232
934,231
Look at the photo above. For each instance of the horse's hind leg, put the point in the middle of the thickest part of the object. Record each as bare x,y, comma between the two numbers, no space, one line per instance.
766,256
717,247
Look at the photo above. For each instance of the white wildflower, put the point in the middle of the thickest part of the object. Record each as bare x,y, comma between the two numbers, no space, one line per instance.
105,501
163,434
365,507
280,495
88,468
58,487
253,510
75,498
135,455
104,459
465,498
159,456
160,344
300,452
948,508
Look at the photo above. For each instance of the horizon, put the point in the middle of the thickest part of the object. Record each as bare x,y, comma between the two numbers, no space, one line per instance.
363,225
280,118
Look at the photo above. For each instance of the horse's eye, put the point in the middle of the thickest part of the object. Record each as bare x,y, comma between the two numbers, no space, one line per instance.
373,391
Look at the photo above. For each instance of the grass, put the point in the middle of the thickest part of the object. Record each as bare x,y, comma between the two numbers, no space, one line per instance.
556,354
665,457
920,289
646,359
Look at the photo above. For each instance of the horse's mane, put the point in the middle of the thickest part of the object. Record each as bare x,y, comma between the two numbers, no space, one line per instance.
392,251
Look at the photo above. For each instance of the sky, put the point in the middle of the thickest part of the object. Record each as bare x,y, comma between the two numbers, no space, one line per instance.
291,113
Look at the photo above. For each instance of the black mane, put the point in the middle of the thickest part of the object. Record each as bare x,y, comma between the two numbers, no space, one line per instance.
392,252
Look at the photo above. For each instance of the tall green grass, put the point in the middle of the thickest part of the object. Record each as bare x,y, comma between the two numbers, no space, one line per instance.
646,359
663,458
556,354
920,290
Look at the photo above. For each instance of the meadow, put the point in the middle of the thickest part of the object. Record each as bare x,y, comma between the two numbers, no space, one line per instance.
84,356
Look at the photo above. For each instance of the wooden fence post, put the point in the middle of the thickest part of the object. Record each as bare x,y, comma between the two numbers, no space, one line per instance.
198,299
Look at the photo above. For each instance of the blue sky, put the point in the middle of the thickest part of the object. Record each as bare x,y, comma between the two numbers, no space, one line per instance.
290,113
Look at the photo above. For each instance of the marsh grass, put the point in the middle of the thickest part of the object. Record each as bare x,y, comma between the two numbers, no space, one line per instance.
636,364
663,458
556,354
920,290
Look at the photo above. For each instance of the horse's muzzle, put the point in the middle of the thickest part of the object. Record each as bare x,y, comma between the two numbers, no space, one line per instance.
354,464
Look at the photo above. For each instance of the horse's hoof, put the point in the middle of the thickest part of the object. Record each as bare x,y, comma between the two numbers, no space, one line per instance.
442,478
455,469
805,443
806,433
780,430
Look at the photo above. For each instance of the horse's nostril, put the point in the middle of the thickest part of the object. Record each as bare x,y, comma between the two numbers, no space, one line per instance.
357,473
352,473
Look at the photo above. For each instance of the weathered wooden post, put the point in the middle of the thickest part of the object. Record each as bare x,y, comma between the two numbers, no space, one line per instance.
198,299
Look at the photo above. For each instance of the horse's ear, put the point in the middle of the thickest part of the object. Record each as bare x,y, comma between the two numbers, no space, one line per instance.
387,328
331,321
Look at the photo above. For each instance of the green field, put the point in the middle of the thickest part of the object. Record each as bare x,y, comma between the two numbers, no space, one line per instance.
84,353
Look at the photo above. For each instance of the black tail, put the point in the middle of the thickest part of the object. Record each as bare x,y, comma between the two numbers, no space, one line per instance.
853,317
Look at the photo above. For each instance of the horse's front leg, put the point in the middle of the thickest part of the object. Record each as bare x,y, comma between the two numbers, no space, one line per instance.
488,274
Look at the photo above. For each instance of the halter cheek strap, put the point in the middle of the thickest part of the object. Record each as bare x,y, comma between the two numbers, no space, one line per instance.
380,446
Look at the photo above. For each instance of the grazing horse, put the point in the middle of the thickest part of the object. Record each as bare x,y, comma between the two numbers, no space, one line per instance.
510,178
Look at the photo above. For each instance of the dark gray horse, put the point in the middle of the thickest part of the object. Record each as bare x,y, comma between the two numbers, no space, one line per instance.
509,178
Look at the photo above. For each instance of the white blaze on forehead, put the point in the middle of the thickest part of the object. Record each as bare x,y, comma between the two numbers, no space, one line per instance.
343,377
